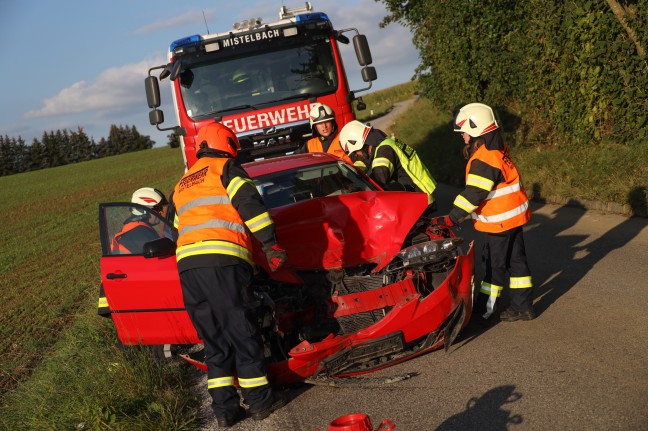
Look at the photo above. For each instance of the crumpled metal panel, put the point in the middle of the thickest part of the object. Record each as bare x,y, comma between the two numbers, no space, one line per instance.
346,230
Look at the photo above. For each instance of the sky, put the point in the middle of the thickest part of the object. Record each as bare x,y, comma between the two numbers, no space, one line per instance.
82,63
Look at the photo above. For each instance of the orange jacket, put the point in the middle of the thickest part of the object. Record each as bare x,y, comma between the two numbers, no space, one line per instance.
507,205
207,221
314,145
117,246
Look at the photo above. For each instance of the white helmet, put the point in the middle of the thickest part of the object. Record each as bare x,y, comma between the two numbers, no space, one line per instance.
320,113
353,136
476,119
149,197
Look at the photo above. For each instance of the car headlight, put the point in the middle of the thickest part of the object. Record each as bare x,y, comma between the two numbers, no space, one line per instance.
426,252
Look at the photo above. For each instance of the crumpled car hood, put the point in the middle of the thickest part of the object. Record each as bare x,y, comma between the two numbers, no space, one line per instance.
345,230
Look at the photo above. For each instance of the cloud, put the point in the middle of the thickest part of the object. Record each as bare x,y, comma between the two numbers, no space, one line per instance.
391,45
113,90
189,18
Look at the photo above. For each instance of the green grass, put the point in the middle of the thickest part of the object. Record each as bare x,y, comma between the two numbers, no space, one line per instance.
381,102
58,361
59,367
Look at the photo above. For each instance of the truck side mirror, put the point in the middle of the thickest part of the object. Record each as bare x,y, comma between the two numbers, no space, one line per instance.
152,92
369,74
341,38
156,117
362,49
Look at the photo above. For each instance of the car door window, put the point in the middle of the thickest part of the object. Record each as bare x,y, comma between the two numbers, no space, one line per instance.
126,227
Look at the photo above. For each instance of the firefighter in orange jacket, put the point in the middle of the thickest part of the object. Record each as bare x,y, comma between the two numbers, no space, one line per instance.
495,199
138,228
325,133
217,209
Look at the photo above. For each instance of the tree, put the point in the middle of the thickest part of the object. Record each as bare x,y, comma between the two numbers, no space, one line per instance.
621,14
173,140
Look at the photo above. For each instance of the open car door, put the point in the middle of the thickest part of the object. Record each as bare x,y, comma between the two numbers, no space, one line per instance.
141,283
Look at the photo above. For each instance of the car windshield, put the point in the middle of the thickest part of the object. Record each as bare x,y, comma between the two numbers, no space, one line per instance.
259,78
308,182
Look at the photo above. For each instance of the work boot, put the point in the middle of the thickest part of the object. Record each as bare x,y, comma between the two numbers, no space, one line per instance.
277,403
512,315
231,418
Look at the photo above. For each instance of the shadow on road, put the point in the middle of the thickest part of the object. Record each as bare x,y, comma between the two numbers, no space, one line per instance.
563,260
486,413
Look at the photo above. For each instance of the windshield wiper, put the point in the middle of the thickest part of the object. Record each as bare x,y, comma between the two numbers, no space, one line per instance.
297,96
233,108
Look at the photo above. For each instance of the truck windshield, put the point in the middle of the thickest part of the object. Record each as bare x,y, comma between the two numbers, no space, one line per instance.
259,78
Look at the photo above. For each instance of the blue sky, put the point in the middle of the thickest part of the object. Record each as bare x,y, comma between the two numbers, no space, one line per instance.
82,63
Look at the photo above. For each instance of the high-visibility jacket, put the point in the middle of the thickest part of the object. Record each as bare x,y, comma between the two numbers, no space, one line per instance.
207,221
506,205
408,163
119,248
314,145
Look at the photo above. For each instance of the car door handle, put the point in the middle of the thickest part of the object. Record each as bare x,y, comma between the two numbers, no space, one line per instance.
113,276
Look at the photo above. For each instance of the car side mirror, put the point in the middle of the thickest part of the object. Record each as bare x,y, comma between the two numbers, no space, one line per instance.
163,247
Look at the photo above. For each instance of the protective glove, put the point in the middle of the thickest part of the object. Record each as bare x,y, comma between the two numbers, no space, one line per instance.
276,256
443,221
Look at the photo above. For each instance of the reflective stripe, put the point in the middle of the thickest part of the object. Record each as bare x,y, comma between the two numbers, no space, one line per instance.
103,302
253,383
521,282
504,191
479,182
210,247
235,184
220,382
464,204
214,223
208,200
497,218
259,222
360,165
383,162
491,289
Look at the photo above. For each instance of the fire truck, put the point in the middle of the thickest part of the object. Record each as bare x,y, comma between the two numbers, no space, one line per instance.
260,79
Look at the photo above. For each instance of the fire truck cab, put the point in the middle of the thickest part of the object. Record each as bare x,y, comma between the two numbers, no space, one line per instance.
260,79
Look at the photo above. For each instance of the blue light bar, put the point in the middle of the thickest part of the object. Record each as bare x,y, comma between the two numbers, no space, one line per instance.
308,17
184,41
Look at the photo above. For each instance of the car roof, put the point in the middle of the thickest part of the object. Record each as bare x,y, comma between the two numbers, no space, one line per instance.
287,163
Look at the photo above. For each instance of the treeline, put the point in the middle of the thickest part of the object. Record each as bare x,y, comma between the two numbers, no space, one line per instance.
64,147
566,73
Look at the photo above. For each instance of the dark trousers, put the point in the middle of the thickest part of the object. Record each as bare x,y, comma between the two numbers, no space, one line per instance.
220,304
504,256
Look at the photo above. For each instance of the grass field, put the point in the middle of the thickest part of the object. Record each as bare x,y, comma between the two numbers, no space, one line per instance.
59,367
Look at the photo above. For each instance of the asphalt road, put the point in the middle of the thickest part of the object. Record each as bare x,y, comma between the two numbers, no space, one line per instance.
581,365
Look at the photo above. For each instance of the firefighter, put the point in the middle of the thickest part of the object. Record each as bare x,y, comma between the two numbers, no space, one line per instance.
391,163
218,208
139,227
495,199
137,230
325,133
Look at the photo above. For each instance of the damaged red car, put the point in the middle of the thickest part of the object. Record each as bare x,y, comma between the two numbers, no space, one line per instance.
368,282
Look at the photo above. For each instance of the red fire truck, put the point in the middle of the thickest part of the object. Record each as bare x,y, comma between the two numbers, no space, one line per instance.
260,79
